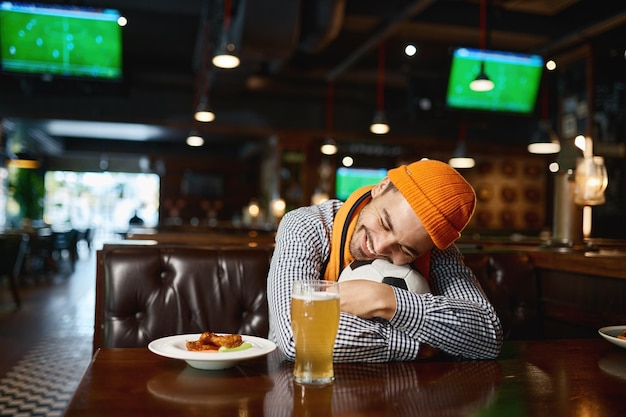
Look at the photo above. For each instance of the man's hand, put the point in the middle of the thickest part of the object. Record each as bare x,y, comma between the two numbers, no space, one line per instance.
367,299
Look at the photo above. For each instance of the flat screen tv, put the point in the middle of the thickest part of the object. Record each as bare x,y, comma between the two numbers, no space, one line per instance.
64,41
516,79
348,180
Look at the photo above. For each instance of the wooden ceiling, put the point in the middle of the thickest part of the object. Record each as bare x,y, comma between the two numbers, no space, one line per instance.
291,51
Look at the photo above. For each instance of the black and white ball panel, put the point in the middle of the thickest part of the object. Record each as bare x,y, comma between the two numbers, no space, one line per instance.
379,270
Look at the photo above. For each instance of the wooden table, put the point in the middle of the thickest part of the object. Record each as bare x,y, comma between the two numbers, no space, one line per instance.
569,378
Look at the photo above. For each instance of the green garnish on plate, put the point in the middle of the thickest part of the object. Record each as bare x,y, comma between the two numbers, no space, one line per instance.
243,346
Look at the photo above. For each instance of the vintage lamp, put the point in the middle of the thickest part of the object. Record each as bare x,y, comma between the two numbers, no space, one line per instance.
591,181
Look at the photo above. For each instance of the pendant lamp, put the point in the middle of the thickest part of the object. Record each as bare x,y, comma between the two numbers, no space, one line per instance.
329,146
204,113
460,158
226,52
194,139
544,141
482,82
379,124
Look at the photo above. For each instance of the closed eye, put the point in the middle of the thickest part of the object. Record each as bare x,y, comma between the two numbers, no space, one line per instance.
408,251
387,224
385,221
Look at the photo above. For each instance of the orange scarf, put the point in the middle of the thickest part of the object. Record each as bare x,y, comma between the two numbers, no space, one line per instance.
349,212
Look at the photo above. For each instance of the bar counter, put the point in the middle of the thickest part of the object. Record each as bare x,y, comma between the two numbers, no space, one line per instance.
595,257
568,378
604,262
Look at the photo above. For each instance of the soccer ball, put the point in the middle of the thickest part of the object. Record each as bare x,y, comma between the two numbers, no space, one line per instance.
379,270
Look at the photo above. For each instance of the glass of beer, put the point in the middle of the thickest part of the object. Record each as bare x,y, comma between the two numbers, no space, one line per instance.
314,321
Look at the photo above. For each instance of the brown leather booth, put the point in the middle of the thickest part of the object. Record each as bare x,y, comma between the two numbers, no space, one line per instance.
147,292
511,284
144,292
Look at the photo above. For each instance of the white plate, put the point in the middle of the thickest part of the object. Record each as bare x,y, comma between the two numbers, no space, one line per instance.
175,347
610,333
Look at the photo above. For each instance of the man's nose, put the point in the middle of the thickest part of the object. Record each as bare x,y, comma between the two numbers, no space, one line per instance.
383,244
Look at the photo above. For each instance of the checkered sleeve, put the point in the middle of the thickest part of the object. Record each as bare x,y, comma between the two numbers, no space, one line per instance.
456,316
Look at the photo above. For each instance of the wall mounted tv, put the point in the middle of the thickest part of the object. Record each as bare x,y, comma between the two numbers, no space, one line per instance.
348,180
64,41
516,79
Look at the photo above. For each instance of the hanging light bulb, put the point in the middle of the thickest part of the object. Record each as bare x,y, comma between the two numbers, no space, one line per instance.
329,146
460,159
225,54
203,111
482,82
544,141
379,124
194,139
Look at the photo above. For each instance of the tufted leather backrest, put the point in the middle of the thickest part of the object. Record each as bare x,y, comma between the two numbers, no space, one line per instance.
147,292
510,282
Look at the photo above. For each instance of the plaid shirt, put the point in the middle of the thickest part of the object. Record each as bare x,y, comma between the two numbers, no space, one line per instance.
455,317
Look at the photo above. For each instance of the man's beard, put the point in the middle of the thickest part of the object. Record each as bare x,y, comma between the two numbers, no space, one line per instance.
356,250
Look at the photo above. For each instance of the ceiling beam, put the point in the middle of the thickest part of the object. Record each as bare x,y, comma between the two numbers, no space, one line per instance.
584,34
379,36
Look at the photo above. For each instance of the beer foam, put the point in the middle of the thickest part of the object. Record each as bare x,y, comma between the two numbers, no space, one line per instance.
317,296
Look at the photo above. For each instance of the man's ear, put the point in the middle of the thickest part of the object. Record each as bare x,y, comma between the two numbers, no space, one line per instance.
380,187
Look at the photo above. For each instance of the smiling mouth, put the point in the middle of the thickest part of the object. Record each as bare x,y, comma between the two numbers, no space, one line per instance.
366,248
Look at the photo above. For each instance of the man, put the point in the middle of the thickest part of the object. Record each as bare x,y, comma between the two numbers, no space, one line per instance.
413,215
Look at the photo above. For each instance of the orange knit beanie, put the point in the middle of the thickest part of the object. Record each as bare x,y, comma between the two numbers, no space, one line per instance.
442,199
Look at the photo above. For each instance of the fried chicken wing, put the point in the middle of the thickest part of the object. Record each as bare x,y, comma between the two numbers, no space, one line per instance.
226,340
209,341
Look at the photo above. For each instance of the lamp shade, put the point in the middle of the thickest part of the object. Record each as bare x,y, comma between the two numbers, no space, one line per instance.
225,55
203,112
544,140
194,139
329,147
379,124
482,82
460,159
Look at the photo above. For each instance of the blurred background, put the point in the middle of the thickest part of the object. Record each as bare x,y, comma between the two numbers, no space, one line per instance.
100,97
